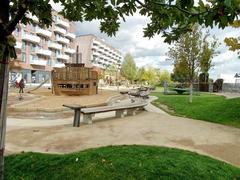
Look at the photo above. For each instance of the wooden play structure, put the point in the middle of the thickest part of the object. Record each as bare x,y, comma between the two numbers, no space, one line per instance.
74,79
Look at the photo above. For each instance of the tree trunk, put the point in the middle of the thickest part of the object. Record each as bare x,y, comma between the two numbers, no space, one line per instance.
4,19
4,75
191,92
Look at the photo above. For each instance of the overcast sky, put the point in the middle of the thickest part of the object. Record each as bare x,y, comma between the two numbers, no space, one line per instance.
152,52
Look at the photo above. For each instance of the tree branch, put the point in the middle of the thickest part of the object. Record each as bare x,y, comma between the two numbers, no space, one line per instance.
22,9
174,6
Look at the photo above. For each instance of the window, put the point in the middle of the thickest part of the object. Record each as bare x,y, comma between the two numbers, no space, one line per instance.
23,59
32,47
33,57
24,32
24,44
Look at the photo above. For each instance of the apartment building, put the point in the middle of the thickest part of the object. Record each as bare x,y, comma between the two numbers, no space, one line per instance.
95,52
40,50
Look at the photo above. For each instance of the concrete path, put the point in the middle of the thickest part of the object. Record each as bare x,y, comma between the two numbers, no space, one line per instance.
58,136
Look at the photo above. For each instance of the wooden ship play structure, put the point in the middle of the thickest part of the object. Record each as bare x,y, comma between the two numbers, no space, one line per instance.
74,79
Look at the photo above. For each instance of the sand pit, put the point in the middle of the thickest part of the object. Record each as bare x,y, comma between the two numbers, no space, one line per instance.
49,102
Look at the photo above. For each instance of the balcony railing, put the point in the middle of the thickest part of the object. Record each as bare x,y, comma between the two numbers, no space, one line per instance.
70,35
39,62
44,32
44,52
62,23
60,30
55,46
32,38
70,50
96,42
58,65
63,40
18,45
63,57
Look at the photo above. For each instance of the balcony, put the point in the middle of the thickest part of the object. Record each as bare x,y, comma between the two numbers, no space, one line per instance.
60,30
55,46
63,57
63,40
62,23
95,53
44,32
18,45
44,52
69,51
96,43
58,65
39,62
70,35
31,38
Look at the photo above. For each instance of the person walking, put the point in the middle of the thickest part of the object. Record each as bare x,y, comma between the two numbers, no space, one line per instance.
21,86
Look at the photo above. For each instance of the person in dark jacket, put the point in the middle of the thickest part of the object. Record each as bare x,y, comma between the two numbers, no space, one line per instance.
21,85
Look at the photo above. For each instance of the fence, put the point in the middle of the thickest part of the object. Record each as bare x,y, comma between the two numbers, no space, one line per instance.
231,87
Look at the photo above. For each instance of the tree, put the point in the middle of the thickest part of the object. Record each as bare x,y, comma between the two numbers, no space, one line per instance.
190,53
151,75
140,75
164,77
168,16
207,54
129,68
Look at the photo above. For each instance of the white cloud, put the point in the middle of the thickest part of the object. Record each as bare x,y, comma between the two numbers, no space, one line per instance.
153,51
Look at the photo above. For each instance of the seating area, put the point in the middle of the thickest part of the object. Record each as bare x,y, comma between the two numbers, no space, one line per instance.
120,109
142,92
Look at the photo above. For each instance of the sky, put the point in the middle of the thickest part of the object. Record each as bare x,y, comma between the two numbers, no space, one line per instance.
152,52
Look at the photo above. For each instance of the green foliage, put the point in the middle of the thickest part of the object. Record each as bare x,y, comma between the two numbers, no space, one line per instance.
141,75
191,52
119,162
186,54
170,17
129,68
151,75
205,107
111,70
208,51
165,76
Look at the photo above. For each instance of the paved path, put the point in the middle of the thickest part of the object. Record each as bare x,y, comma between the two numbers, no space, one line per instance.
58,136
229,95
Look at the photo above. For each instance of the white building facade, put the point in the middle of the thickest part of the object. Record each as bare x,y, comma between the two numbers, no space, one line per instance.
95,52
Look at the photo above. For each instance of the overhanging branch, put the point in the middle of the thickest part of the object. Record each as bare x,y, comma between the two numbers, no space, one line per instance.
22,9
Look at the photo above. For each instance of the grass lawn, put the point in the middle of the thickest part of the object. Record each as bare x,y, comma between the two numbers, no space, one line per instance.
119,162
205,106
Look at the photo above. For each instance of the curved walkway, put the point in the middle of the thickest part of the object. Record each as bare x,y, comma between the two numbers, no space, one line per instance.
148,128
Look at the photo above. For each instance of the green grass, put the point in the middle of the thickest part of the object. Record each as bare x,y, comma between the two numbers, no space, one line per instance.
205,107
119,162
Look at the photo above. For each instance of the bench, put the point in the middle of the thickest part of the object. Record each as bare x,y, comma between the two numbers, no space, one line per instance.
143,94
77,113
131,109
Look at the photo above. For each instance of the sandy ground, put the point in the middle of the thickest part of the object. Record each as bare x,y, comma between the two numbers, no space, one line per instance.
58,136
48,101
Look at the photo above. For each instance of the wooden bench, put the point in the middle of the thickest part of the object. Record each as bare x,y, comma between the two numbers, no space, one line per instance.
77,113
131,109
